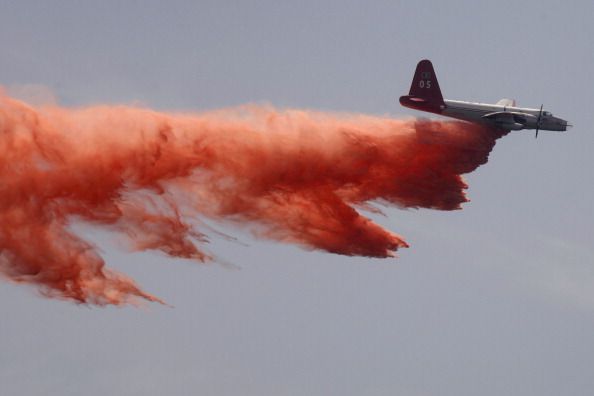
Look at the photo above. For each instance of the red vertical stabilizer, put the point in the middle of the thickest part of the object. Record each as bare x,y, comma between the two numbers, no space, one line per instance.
424,91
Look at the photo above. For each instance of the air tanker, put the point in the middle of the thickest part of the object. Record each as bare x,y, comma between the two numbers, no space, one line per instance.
425,95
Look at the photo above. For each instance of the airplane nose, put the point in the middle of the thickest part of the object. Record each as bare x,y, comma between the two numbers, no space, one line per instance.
564,124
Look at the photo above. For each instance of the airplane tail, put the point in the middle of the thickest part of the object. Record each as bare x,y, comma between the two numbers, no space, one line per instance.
424,91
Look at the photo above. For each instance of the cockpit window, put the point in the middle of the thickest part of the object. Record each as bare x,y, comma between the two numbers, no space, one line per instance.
547,113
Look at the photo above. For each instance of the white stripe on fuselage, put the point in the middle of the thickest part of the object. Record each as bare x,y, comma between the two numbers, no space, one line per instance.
471,111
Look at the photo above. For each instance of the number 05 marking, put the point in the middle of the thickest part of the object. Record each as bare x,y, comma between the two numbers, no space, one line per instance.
425,84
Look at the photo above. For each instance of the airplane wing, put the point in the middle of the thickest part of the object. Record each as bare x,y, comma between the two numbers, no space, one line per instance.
507,120
500,116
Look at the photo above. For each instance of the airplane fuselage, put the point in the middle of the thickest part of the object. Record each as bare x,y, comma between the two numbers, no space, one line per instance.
521,117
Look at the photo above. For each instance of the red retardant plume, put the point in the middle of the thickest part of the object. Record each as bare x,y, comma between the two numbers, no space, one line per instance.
292,176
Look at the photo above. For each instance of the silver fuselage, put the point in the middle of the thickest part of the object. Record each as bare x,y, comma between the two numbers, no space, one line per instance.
519,118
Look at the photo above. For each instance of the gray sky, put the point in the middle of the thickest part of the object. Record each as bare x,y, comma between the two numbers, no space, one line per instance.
495,299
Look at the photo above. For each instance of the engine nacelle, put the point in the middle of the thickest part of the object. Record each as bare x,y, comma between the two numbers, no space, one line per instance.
513,126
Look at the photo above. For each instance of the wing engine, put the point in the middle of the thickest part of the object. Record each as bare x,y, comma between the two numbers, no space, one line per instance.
509,120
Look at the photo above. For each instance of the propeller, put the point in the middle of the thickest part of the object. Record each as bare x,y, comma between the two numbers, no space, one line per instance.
538,121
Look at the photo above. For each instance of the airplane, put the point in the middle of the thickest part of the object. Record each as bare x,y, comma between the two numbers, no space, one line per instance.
425,95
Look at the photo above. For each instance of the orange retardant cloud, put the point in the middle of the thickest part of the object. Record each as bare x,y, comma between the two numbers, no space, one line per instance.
293,176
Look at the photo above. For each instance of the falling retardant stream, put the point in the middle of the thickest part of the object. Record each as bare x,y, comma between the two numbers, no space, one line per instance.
287,175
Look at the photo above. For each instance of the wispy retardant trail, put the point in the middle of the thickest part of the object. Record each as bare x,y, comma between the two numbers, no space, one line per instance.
293,176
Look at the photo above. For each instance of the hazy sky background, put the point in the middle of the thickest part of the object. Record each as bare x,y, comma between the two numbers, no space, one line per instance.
495,299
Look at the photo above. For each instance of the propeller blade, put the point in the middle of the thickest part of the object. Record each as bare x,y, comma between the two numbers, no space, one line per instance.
538,121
